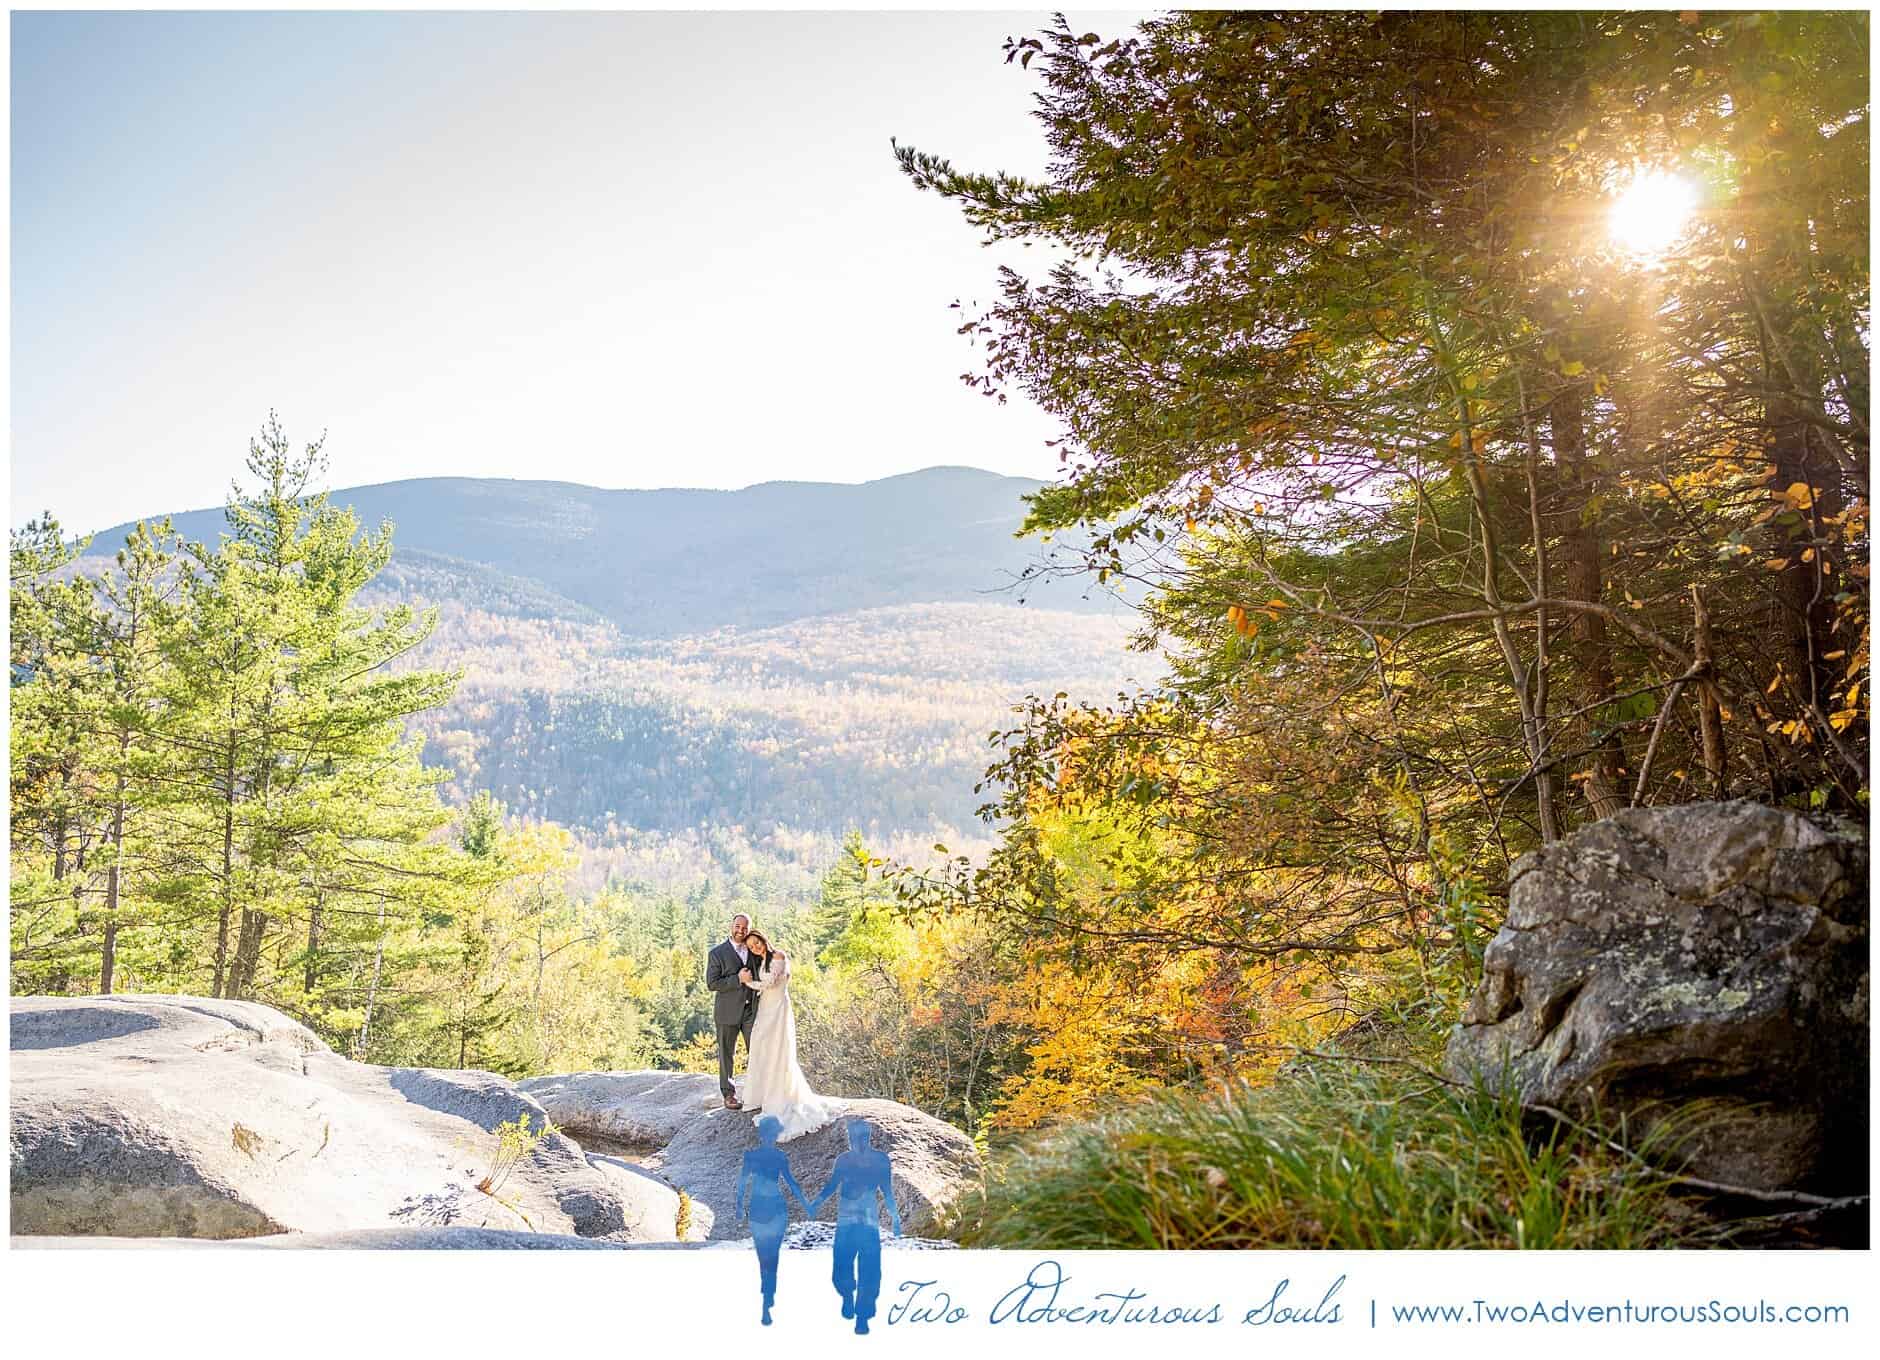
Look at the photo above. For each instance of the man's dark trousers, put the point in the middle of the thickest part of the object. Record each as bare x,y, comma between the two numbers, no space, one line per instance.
857,1272
728,1050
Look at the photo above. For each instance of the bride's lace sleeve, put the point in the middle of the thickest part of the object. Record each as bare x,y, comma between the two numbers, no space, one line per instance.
770,977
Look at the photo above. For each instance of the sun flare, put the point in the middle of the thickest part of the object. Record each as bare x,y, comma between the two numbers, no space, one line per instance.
1652,212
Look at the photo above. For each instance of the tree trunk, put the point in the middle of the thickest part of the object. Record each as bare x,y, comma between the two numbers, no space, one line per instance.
372,991
1592,651
228,871
58,847
114,876
1803,589
1776,274
313,941
247,953
1709,706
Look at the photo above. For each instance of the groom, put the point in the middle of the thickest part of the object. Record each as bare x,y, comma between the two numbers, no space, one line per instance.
734,1006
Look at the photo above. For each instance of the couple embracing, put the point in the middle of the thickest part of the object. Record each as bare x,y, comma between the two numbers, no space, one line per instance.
750,984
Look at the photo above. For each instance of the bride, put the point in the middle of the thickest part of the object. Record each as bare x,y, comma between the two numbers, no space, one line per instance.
773,1081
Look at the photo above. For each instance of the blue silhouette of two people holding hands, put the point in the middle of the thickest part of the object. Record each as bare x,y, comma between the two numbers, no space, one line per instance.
859,1175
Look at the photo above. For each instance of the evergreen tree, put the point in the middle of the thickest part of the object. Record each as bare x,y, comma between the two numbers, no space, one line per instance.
51,790
299,800
842,896
137,606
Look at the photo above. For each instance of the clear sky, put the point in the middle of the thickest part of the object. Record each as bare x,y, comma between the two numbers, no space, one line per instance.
629,250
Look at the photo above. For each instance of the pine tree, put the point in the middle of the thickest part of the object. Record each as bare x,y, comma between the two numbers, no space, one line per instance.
302,799
137,602
51,797
843,895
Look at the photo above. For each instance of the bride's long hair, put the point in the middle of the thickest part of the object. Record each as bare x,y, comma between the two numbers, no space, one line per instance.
770,954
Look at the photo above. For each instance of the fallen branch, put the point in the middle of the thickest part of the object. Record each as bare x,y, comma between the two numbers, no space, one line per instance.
1697,1182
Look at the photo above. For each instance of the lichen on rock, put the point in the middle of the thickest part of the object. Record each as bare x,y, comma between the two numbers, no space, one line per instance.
1704,964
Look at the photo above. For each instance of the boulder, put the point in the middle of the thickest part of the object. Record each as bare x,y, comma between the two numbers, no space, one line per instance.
932,1160
640,1108
161,1116
1696,975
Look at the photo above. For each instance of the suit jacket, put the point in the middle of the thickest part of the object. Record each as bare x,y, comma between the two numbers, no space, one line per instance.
732,1002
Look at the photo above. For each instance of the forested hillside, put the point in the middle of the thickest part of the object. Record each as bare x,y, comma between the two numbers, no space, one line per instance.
725,746
875,720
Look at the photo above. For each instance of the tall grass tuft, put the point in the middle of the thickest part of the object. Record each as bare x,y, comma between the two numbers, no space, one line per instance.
515,1141
1335,1154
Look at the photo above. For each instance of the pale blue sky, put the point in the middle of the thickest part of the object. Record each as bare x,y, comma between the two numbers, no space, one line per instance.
621,249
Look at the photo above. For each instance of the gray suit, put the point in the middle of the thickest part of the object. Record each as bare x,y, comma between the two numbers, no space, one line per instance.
734,1007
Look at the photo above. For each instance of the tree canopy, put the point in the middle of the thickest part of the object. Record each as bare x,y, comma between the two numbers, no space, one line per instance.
1464,518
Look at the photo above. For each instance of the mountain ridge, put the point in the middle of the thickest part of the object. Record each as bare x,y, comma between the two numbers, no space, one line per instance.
116,532
667,562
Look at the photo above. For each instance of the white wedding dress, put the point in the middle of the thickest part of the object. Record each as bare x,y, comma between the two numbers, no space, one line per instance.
774,1083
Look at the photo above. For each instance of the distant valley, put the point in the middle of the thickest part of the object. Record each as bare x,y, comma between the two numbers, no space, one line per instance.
720,684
